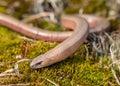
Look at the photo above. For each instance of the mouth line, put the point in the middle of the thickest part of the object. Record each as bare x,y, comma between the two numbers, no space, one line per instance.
39,63
36,65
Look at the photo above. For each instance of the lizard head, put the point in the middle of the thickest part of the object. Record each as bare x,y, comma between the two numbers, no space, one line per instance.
39,62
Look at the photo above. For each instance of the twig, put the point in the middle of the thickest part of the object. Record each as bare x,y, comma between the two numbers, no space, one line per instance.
87,52
39,15
15,69
115,62
96,49
25,38
113,51
110,38
51,81
4,75
16,85
115,76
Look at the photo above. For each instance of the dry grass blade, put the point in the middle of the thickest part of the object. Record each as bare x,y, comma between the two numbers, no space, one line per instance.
52,82
115,76
16,85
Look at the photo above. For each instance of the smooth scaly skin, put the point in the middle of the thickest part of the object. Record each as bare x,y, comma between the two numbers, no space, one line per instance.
31,31
67,47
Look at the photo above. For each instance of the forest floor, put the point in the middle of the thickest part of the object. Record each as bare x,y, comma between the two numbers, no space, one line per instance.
74,71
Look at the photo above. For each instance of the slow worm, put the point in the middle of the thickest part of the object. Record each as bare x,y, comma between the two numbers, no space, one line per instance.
71,40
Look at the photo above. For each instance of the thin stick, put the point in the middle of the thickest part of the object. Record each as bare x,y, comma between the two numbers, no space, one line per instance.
4,75
109,37
39,15
16,85
51,81
115,76
115,62
87,52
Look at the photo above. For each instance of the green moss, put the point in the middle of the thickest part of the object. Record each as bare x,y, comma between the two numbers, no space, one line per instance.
73,71
76,1
90,6
2,9
46,25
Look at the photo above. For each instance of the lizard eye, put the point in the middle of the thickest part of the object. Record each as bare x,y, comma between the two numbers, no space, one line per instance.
39,63
36,65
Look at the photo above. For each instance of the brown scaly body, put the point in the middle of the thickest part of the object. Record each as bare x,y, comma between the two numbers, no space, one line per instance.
67,47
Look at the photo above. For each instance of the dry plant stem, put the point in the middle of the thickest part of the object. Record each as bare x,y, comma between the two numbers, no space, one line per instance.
96,49
14,71
109,37
26,38
115,76
39,15
113,49
96,43
113,56
87,52
52,82
10,74
103,44
16,84
113,63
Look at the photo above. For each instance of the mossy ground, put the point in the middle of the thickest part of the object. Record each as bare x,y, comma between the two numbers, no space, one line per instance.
74,71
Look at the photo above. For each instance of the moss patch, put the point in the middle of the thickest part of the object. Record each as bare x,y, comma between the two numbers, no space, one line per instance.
73,71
